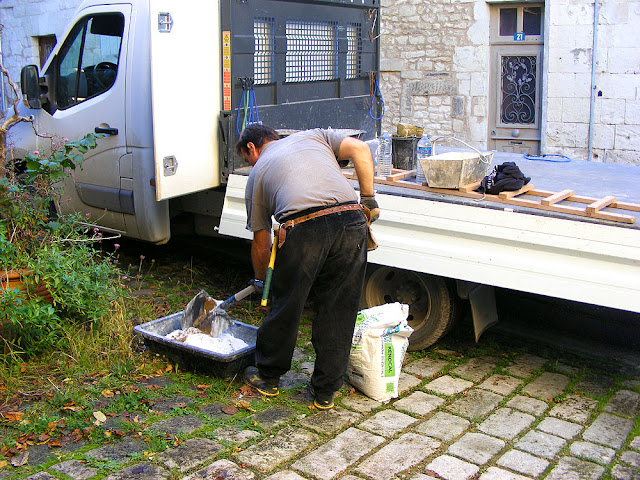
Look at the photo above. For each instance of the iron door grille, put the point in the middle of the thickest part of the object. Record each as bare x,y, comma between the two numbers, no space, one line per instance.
312,51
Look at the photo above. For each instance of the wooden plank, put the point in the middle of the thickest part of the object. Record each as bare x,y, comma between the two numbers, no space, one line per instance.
556,197
613,217
515,193
634,207
600,204
401,175
470,187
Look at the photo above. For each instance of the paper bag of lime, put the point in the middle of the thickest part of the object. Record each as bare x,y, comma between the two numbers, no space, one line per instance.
379,343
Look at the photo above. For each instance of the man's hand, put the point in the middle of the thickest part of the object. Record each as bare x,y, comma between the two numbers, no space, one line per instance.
369,201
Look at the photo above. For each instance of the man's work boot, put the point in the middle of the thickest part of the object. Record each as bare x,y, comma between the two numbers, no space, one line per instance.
322,402
268,387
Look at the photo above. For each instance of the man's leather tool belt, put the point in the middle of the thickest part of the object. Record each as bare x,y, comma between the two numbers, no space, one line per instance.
289,224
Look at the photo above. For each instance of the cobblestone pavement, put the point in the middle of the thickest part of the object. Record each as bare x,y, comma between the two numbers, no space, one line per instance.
459,416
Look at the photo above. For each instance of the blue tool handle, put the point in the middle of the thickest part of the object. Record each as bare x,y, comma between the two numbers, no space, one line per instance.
237,297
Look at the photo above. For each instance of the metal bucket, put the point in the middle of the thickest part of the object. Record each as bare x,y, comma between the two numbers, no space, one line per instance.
455,169
403,152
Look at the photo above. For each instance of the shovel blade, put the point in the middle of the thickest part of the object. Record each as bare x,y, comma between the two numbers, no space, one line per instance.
196,312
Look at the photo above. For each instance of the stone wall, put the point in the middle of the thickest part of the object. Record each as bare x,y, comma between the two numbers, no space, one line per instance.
434,64
616,118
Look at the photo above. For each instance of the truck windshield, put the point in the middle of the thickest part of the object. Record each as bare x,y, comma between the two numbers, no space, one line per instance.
88,60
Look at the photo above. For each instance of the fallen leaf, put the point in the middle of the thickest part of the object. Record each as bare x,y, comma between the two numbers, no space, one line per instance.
245,405
72,408
43,437
229,409
136,419
99,416
246,390
20,460
13,416
203,387
168,368
56,443
3,463
106,393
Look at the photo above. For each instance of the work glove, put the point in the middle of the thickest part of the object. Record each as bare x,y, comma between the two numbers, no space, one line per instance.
258,284
369,201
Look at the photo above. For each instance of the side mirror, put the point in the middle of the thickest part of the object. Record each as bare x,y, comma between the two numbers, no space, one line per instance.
30,86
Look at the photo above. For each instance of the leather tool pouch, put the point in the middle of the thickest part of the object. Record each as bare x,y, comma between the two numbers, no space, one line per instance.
371,240
281,233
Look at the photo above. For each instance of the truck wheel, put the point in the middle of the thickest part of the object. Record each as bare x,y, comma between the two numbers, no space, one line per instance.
431,302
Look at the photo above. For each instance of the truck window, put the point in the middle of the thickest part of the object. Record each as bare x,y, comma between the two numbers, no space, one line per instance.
87,64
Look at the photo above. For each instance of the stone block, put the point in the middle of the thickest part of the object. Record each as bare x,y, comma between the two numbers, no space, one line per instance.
281,447
632,112
120,451
560,428
274,417
506,423
541,444
183,424
221,469
570,467
608,430
140,471
360,403
443,426
426,367
495,473
476,447
604,136
330,421
392,65
575,109
523,462
475,369
475,404
500,384
623,60
595,385
189,454
407,382
632,459
419,403
448,385
547,385
593,452
335,456
610,110
624,472
401,454
627,137
451,468
234,434
75,469
387,423
285,475
524,365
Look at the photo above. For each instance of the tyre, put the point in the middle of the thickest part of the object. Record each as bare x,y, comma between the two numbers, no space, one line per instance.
432,305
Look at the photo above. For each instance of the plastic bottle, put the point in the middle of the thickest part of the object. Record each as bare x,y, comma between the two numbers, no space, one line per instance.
423,151
384,155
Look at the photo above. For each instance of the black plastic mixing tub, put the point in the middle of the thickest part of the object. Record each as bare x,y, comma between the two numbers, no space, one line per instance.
197,359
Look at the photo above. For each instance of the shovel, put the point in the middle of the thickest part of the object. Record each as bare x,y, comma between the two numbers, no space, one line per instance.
205,314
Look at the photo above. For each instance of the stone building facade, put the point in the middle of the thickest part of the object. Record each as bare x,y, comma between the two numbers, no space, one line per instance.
449,65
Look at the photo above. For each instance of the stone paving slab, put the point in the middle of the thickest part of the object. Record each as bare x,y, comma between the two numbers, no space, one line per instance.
75,469
443,426
189,454
506,423
528,405
274,417
494,473
401,454
360,403
541,444
624,472
475,369
595,384
547,385
337,454
501,384
523,462
475,404
560,428
141,471
233,434
608,430
407,382
222,469
119,451
281,447
447,385
426,367
183,424
172,403
451,468
570,467
575,408
625,403
419,403
41,476
476,448
387,423
632,458
330,421
593,452
524,365
286,475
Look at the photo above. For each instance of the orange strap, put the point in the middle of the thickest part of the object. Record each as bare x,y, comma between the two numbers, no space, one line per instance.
326,211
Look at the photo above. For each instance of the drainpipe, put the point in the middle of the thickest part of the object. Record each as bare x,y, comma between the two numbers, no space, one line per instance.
2,106
596,6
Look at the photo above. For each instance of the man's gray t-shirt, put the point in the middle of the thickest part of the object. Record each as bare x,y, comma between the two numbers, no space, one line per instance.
293,174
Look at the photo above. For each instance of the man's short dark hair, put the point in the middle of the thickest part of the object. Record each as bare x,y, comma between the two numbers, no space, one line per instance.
257,134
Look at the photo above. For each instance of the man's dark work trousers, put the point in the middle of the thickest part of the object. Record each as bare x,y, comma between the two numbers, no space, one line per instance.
330,254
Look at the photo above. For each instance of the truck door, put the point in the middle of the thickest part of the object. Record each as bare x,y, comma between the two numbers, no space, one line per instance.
88,77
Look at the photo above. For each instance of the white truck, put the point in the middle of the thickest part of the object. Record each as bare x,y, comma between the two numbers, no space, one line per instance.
171,84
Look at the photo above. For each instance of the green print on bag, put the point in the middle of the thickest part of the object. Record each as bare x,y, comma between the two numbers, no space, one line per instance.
389,357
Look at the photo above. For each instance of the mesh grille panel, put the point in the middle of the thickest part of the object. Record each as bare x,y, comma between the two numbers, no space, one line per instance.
312,51
263,50
354,49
